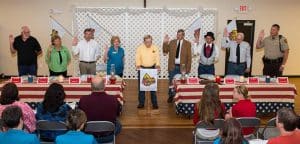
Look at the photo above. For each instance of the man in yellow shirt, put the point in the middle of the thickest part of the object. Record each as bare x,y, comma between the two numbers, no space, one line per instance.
147,57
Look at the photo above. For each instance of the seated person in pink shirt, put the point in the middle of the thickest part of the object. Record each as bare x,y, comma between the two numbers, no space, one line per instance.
286,122
99,106
244,107
10,97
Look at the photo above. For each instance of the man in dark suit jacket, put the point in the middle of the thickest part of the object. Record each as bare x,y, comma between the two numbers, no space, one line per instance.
98,106
180,53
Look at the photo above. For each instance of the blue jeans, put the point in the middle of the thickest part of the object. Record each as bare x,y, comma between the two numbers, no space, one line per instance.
142,93
109,138
206,69
172,73
236,69
27,70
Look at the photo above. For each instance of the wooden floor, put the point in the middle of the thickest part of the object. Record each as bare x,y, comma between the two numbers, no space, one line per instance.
167,127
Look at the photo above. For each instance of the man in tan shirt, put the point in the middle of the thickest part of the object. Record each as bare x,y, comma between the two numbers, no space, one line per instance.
147,57
180,53
276,51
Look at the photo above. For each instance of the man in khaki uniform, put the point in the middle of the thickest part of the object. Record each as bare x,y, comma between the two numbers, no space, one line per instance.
276,51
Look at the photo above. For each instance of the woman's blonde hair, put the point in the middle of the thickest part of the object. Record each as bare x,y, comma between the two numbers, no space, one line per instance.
113,38
243,90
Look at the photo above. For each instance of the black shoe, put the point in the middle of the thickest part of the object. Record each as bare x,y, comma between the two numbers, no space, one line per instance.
140,106
155,107
170,99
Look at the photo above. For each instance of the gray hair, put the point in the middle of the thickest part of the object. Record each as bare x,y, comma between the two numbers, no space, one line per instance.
98,84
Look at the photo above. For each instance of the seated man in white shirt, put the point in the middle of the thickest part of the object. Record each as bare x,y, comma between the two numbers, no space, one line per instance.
89,52
208,53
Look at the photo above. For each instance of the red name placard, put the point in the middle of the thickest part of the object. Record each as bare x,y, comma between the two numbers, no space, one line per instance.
283,80
42,80
193,80
16,80
74,80
229,81
253,80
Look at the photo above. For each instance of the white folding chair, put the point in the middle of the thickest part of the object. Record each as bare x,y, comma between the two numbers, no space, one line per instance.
218,124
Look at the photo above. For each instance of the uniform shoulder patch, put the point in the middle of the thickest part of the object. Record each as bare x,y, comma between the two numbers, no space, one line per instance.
285,40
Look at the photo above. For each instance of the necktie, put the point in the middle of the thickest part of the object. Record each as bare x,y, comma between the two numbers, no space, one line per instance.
238,54
60,57
177,50
207,51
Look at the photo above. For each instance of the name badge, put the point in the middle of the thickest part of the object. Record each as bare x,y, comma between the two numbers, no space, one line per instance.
16,80
74,80
229,81
193,80
282,80
253,80
42,80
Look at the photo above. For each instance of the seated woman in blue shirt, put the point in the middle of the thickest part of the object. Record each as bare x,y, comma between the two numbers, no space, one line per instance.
231,133
115,55
53,108
75,122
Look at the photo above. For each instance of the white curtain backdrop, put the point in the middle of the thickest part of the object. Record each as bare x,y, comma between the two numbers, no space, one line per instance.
131,24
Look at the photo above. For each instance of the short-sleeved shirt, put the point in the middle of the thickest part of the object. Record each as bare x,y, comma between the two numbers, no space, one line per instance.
53,61
27,50
116,58
271,46
244,108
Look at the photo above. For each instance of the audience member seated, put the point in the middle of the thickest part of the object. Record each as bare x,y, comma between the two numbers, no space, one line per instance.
53,108
208,109
76,121
243,108
10,97
13,125
286,122
231,133
98,106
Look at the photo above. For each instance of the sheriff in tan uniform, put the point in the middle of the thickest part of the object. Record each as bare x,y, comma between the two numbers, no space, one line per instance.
276,51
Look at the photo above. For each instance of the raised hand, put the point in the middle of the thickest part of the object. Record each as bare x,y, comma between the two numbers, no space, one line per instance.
11,39
225,33
166,39
75,41
261,34
105,48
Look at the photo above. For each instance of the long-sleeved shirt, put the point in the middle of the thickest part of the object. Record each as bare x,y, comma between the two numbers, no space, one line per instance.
245,51
89,51
53,60
147,57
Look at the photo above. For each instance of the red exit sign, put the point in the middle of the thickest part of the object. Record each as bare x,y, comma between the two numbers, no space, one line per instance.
243,8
